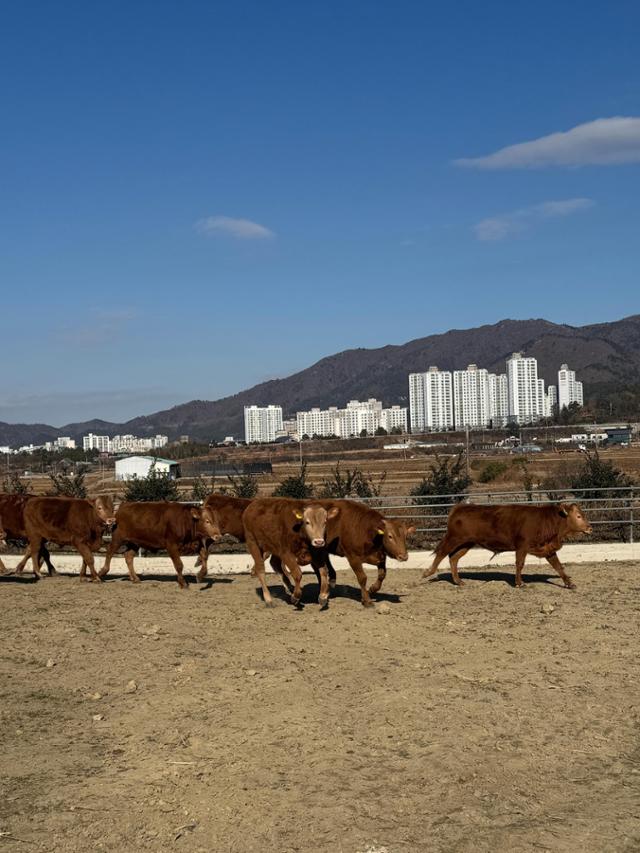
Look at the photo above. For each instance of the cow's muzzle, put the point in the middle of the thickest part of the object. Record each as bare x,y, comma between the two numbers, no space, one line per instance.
317,543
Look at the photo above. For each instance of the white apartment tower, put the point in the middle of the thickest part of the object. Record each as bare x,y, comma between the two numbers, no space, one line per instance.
261,423
525,390
569,389
430,400
471,397
498,399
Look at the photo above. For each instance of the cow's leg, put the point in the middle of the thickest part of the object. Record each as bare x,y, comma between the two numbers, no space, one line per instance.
203,558
129,554
46,556
360,573
283,572
442,551
554,560
322,574
332,574
258,568
521,556
453,562
178,565
35,547
290,562
23,562
382,573
87,555
112,547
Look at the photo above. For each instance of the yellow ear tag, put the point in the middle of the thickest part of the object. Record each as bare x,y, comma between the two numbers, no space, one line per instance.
299,515
381,532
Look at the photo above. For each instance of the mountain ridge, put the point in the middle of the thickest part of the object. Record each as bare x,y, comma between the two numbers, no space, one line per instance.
603,354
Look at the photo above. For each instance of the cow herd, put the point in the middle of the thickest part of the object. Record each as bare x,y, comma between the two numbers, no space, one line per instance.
290,533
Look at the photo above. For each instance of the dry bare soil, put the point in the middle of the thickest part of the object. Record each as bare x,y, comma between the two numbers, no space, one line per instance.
474,719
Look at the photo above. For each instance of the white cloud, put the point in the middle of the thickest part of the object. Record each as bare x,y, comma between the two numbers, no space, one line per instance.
242,229
506,224
603,142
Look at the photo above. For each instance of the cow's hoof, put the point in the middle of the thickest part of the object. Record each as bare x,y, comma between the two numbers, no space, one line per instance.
323,602
200,577
271,603
97,579
367,603
571,585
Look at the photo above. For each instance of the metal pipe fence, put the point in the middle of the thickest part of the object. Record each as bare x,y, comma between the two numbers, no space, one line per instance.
614,513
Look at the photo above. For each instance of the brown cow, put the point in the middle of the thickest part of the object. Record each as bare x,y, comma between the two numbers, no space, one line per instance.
523,528
68,521
228,511
285,528
12,512
364,535
159,525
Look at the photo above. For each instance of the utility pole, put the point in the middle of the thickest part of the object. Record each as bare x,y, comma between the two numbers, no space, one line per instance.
467,451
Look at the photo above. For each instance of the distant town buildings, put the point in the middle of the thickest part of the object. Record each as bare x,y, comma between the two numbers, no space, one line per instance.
61,443
262,423
357,417
123,443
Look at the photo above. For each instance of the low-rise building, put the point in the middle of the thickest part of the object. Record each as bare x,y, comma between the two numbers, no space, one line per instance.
139,467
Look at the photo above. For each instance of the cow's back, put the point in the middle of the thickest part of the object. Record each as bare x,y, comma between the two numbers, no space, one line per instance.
229,511
152,524
60,519
504,527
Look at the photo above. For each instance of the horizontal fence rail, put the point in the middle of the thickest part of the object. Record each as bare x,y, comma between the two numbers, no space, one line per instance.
614,513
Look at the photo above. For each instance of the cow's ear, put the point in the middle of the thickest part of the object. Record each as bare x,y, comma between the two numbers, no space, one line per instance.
562,510
381,531
196,512
298,514
411,530
335,510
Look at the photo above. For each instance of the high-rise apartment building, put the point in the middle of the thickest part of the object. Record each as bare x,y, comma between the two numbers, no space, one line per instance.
430,400
525,390
569,389
261,423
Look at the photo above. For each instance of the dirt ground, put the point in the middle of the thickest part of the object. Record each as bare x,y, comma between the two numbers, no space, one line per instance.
477,719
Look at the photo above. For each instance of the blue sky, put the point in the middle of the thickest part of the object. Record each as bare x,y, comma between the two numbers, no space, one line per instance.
198,196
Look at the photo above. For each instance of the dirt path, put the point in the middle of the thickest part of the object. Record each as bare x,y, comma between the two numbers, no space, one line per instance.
461,720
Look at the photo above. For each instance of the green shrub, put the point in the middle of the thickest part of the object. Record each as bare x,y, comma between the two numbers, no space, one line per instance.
491,471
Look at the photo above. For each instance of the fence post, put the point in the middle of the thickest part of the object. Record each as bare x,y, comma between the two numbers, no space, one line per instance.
631,517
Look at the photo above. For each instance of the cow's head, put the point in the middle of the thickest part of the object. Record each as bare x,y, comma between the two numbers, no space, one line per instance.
207,522
105,511
313,522
576,520
394,538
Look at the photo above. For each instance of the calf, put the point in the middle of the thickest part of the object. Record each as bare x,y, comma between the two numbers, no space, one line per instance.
158,525
228,511
285,528
68,521
12,512
523,528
